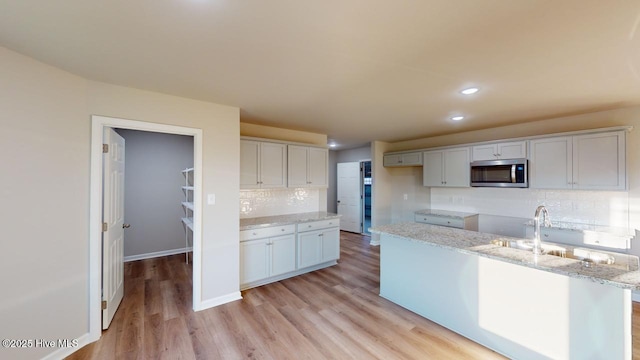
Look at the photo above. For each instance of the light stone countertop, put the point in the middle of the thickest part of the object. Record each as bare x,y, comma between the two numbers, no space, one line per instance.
446,213
472,242
277,220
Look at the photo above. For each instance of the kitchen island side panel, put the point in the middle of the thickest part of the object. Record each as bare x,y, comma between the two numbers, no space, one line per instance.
515,310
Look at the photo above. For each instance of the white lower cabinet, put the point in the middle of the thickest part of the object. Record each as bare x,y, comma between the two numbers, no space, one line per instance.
317,247
276,253
264,258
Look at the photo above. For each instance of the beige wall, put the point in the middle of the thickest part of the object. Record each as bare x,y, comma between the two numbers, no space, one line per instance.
381,189
619,117
269,132
220,174
45,150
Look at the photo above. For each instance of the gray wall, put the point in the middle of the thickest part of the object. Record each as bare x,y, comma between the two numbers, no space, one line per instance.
339,156
153,181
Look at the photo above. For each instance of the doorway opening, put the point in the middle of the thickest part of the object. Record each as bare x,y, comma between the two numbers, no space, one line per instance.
365,173
354,185
100,124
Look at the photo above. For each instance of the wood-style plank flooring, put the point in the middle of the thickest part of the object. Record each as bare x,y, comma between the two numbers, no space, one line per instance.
334,313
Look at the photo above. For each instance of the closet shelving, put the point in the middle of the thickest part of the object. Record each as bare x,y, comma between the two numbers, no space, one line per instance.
187,205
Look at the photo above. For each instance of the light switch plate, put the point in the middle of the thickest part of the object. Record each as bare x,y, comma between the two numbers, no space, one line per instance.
211,199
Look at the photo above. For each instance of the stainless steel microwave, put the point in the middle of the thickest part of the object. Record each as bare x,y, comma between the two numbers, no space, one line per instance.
500,173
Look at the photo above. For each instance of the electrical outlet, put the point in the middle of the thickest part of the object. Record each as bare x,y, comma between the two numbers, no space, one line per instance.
211,199
406,197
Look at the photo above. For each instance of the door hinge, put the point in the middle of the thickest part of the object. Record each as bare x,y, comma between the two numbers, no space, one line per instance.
104,304
105,227
105,148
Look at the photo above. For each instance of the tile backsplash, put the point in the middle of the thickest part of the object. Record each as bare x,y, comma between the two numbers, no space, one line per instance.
269,202
608,208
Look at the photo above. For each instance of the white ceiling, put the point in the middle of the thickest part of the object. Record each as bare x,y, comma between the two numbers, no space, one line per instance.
357,70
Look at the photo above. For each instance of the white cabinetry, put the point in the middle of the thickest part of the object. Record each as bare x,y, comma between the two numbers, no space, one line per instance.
318,242
262,165
467,222
587,162
307,166
502,150
266,253
446,168
405,159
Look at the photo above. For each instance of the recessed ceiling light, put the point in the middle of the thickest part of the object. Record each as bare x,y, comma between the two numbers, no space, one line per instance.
457,118
470,91
332,145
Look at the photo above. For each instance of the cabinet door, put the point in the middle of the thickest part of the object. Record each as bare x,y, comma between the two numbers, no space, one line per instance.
456,168
412,159
249,160
273,159
283,254
297,165
254,260
432,169
309,248
392,160
599,161
318,166
551,163
512,150
484,152
330,244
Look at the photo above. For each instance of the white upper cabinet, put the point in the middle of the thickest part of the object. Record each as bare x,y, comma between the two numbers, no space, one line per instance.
446,168
551,163
406,159
586,162
307,166
599,161
503,150
262,165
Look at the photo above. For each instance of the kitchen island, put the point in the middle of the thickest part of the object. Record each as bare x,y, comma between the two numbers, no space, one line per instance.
512,301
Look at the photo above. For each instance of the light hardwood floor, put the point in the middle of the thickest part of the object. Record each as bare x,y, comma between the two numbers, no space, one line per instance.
334,313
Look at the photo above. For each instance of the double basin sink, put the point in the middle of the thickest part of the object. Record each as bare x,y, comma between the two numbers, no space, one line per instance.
588,257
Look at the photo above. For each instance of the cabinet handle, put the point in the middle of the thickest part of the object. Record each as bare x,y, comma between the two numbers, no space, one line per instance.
255,234
281,229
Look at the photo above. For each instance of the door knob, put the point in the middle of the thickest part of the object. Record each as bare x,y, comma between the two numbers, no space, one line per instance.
126,226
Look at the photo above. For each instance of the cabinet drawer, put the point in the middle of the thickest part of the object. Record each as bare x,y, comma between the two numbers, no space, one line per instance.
315,225
439,220
266,232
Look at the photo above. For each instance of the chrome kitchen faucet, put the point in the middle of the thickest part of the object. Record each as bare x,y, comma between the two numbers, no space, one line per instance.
537,243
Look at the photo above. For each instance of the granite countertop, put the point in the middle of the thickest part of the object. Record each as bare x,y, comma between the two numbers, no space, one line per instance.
472,242
277,220
446,213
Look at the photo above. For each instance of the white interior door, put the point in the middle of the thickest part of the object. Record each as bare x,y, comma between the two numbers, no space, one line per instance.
349,203
113,223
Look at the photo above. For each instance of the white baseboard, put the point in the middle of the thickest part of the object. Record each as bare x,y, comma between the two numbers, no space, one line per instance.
156,254
62,353
217,301
375,239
